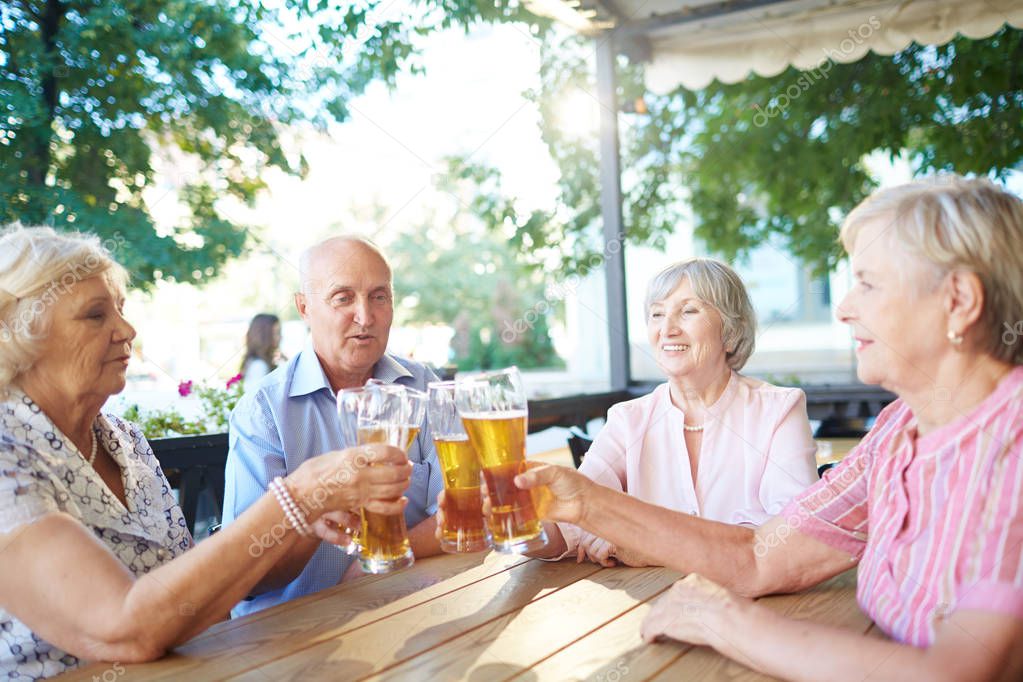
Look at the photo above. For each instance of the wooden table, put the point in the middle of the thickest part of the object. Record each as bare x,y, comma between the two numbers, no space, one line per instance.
476,617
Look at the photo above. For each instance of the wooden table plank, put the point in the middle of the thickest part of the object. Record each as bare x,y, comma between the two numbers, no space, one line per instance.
614,648
404,635
508,645
241,644
832,602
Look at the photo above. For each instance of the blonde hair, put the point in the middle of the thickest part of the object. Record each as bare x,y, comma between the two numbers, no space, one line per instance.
721,287
37,266
956,223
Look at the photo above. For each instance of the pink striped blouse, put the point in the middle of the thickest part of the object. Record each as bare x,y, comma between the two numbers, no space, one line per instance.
936,522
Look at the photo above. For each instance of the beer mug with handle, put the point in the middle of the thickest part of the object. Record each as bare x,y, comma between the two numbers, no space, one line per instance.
494,411
379,414
464,529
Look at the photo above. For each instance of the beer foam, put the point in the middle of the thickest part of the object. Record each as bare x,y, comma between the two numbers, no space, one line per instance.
506,414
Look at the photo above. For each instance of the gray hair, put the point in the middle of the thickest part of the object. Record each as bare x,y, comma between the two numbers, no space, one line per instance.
37,266
719,286
305,259
949,222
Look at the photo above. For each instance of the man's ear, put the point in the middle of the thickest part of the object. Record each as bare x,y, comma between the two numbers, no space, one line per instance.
300,304
964,301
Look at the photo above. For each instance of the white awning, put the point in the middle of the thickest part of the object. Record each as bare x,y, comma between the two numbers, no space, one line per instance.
692,42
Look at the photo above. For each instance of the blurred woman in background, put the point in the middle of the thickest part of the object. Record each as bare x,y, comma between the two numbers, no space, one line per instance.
262,348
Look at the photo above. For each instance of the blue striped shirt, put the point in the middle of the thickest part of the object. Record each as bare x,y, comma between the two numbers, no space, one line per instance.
291,416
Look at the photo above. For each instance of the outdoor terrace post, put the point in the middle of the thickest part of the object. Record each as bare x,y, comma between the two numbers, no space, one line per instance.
611,210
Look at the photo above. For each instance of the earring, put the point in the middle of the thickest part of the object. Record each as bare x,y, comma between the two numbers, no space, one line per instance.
954,339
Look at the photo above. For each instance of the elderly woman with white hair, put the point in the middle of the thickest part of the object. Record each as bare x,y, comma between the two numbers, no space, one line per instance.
709,442
928,505
85,510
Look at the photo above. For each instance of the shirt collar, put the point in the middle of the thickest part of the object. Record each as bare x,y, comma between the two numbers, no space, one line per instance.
309,376
390,370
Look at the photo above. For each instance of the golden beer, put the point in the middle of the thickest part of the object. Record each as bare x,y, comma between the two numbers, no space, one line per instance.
500,442
410,437
383,538
464,530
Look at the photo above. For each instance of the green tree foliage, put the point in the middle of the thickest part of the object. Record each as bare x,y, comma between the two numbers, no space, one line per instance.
465,276
779,158
90,88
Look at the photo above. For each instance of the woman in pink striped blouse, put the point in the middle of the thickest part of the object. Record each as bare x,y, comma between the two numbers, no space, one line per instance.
929,505
708,442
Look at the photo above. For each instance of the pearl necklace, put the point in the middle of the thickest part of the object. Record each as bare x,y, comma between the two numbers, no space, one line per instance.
95,447
693,429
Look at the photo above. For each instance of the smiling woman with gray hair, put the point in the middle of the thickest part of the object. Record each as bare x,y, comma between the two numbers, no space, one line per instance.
710,442
84,506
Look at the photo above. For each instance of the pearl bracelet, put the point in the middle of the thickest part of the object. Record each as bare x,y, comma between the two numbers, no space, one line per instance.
292,512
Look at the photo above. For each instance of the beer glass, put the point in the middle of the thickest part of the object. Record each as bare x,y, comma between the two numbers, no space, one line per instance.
378,414
464,529
415,415
493,409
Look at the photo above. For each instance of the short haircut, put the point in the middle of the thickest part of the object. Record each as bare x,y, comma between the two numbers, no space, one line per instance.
949,222
721,287
37,266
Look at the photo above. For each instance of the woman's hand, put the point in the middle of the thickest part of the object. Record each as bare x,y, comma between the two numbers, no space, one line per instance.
372,476
557,493
337,527
595,549
565,495
695,610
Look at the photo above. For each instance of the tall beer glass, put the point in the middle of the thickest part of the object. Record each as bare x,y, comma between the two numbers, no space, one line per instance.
493,410
464,529
378,414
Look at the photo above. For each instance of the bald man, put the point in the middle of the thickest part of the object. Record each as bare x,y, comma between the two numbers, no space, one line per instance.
347,301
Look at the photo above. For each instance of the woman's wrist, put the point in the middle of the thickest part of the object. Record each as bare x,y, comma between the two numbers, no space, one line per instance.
302,488
730,623
592,503
293,511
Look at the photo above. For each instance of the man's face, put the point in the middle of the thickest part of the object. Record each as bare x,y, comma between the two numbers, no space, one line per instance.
348,306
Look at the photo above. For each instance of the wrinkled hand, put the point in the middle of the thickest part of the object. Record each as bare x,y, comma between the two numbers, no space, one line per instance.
372,476
694,610
438,531
559,493
630,557
546,503
596,549
337,527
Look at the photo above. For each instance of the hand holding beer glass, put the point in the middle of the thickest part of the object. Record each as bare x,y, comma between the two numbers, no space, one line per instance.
381,414
494,412
463,529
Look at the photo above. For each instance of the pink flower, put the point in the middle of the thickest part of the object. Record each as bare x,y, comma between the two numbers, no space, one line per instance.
185,389
234,380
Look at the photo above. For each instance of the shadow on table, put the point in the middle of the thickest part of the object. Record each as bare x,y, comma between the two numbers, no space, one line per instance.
347,669
522,584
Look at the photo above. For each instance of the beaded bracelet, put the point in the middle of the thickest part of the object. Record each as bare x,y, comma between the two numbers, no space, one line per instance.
292,512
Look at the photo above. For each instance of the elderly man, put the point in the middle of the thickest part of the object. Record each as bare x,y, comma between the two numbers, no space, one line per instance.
347,301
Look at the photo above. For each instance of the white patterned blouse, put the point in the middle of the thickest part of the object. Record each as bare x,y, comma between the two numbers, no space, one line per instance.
42,472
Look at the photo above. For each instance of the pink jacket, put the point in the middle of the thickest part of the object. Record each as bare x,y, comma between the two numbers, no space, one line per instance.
757,454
